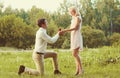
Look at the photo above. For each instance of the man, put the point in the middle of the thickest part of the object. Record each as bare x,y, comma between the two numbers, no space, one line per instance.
40,51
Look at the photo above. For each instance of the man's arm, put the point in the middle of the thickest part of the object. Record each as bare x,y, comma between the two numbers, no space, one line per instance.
48,38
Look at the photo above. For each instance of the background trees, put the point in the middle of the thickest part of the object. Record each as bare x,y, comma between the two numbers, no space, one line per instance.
101,14
14,32
101,19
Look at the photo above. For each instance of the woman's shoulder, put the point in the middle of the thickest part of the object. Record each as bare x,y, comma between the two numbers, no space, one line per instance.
78,18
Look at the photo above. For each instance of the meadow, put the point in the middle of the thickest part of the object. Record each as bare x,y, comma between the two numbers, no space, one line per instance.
97,63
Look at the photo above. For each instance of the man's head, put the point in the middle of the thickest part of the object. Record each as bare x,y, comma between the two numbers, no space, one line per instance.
42,22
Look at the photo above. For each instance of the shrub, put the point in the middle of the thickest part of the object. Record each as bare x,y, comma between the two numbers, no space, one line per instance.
15,33
93,37
66,44
115,39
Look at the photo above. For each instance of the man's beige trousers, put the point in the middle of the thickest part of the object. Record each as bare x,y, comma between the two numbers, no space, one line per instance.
39,62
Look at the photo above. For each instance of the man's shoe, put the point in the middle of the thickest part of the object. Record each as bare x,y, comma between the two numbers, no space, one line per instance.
21,69
57,72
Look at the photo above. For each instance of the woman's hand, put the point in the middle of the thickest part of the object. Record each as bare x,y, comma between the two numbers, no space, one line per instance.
65,30
61,32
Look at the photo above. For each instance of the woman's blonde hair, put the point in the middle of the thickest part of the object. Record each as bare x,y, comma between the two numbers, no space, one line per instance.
73,8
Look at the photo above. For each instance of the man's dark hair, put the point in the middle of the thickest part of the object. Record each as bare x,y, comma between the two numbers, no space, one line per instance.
41,21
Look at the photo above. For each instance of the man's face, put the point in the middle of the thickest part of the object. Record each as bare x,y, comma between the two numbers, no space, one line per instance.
45,24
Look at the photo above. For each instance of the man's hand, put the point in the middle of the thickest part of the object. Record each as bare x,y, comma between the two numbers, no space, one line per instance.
60,32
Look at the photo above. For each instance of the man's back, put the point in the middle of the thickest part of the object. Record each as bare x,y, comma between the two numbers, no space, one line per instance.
40,44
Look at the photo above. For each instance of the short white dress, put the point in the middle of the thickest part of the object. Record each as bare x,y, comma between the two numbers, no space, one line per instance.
76,36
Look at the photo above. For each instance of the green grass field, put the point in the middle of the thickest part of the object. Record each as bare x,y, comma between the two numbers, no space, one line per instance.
97,63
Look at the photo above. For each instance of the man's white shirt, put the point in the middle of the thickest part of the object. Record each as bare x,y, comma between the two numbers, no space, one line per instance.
42,39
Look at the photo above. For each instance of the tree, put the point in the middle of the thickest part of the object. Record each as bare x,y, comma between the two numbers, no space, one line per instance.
14,32
62,20
52,30
8,11
36,13
101,14
24,15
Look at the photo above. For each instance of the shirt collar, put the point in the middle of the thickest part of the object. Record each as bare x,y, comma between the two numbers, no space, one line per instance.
42,29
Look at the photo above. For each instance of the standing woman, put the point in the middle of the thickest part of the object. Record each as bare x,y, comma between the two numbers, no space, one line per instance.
76,37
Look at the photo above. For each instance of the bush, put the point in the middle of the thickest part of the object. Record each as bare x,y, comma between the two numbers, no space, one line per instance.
93,37
66,44
15,33
115,39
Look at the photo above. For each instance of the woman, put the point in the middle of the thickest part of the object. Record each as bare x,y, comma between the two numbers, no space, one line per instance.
76,37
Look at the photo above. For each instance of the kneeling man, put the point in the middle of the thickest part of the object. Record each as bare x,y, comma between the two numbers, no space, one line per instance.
40,51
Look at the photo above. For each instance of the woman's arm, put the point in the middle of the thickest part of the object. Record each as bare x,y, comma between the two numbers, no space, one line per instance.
77,22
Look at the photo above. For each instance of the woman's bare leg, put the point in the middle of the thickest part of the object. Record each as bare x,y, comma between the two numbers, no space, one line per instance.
78,61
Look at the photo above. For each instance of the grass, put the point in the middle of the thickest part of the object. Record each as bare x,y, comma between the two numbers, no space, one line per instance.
97,63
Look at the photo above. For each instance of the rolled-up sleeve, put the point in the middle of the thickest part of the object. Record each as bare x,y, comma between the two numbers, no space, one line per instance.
49,39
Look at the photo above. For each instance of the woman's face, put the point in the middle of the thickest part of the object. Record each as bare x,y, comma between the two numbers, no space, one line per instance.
72,12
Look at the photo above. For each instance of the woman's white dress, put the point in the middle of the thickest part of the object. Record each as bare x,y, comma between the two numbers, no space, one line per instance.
76,36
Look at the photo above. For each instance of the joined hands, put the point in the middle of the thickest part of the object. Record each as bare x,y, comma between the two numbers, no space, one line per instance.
61,32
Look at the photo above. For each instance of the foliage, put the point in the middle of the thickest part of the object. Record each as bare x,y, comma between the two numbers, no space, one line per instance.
14,32
62,20
101,14
18,27
66,44
52,30
93,37
115,39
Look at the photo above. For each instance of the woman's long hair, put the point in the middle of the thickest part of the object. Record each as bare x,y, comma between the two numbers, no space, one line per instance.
73,8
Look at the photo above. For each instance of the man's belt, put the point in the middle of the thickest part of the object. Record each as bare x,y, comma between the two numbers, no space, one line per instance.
40,53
